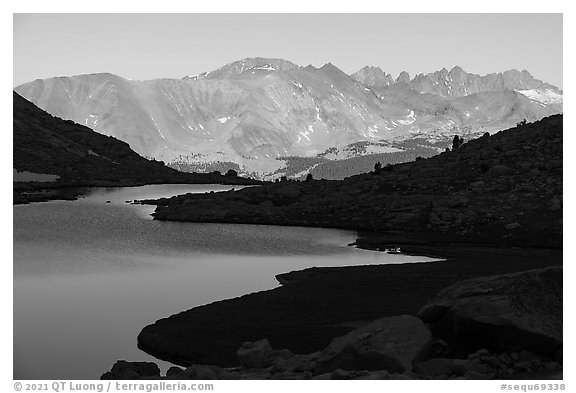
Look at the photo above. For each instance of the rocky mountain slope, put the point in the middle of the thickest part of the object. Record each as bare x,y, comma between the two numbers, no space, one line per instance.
49,152
504,189
254,112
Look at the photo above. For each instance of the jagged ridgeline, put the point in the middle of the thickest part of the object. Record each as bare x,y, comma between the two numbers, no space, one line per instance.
251,114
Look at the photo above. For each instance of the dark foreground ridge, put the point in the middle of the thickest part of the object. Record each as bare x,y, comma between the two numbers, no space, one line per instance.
80,157
504,189
502,326
315,305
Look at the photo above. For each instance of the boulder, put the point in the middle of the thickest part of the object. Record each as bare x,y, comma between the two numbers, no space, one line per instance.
340,374
378,375
440,367
512,225
475,375
174,371
255,354
123,370
292,363
508,312
201,372
343,374
252,374
391,343
288,375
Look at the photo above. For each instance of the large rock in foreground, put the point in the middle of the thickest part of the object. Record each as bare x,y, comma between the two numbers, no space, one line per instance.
254,354
391,344
508,312
132,370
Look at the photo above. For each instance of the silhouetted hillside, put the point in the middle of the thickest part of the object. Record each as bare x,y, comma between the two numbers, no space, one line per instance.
505,188
78,156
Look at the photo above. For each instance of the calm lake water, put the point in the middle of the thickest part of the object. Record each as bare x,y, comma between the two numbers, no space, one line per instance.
89,275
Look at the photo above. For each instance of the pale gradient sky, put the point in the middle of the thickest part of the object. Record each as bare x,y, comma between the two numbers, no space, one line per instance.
148,46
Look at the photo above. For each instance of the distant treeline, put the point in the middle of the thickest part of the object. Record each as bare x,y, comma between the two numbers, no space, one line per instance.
296,165
323,168
204,167
338,170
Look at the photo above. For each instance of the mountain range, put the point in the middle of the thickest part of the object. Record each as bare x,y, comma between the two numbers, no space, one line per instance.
252,114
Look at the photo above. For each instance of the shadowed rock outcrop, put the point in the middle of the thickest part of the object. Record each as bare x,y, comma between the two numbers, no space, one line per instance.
132,370
390,344
512,312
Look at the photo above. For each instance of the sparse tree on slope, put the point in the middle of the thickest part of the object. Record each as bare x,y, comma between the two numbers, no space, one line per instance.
457,142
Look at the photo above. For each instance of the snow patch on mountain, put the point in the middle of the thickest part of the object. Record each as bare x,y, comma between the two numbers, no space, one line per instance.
545,96
264,67
305,172
409,119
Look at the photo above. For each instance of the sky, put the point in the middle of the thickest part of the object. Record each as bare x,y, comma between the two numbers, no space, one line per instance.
149,46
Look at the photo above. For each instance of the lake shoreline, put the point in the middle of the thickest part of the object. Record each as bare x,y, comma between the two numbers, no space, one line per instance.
314,305
31,192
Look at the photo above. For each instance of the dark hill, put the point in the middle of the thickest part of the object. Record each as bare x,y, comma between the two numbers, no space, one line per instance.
44,144
502,189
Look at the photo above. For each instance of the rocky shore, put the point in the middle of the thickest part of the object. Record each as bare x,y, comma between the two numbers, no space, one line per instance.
493,327
314,305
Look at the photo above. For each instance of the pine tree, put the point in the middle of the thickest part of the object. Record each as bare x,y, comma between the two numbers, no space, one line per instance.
457,142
